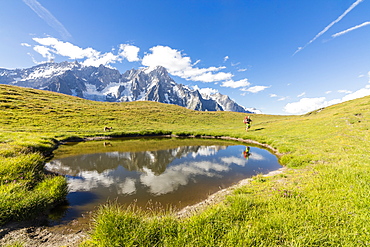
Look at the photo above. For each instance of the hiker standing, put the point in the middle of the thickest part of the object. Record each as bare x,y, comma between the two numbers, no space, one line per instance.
247,121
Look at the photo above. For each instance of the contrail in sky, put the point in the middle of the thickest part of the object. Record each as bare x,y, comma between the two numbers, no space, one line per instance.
351,29
48,17
329,26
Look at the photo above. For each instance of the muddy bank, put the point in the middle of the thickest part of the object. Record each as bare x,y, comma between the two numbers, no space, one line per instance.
33,233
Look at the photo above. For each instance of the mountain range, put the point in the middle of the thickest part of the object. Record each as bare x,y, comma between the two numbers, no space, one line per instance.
107,84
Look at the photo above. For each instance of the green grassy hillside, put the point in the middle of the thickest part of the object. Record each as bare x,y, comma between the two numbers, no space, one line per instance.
31,110
323,200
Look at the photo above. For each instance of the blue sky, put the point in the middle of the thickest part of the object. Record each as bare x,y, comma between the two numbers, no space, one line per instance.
281,57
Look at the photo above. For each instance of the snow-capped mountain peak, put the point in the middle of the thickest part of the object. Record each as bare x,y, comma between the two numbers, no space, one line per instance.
107,84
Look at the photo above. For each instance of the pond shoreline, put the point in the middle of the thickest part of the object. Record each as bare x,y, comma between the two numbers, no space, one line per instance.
219,196
97,138
32,233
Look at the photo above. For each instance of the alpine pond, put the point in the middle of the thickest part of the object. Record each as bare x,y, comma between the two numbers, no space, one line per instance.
154,172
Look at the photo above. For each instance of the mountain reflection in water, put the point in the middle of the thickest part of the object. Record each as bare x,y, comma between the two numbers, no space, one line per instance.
176,176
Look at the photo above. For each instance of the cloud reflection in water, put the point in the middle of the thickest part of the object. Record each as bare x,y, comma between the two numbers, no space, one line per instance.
129,171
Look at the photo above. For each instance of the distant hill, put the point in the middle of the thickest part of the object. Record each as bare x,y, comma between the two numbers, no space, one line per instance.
38,111
107,84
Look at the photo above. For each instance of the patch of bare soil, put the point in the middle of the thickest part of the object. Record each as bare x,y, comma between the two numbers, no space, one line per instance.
33,233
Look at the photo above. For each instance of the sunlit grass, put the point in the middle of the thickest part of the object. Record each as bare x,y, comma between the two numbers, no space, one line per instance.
322,200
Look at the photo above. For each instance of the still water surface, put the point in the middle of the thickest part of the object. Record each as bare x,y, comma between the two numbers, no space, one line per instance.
163,171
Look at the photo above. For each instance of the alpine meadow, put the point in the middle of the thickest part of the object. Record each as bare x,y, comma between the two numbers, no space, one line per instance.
322,198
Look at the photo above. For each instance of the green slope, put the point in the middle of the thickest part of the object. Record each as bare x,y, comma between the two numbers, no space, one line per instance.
323,200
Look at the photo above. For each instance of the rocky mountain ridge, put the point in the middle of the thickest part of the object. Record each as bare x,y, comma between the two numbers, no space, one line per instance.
106,84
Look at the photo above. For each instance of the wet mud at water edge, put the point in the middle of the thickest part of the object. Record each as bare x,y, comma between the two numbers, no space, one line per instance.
152,173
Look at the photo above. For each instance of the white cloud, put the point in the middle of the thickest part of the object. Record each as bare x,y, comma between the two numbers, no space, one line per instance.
309,104
104,59
198,61
281,98
344,91
302,94
66,49
236,84
44,14
255,89
206,91
25,44
174,61
205,77
193,72
51,46
130,52
44,51
351,29
242,70
330,25
305,105
179,65
33,59
167,57
226,58
358,94
298,50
